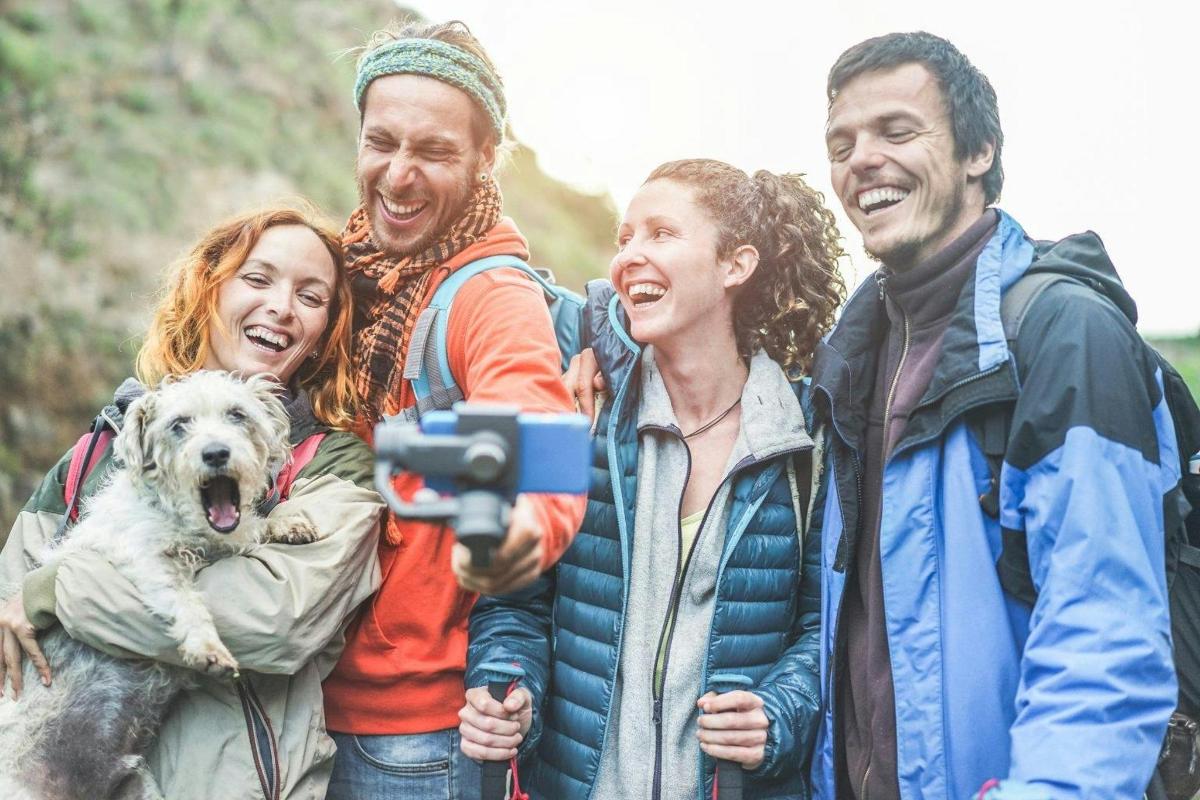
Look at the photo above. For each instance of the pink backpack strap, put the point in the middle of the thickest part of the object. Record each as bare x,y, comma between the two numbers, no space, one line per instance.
301,455
84,457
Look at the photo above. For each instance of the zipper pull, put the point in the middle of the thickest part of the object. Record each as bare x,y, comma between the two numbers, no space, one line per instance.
658,706
881,279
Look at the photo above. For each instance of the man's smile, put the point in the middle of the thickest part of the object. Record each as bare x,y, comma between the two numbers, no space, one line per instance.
877,199
400,213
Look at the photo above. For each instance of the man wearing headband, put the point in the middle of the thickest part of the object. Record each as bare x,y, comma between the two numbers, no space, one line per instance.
433,117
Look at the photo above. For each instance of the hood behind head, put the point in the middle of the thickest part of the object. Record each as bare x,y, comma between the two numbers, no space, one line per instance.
1083,257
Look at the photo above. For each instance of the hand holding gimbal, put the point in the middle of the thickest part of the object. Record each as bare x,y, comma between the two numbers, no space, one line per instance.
478,458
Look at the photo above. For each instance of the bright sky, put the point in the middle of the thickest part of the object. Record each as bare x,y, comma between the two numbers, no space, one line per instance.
1098,103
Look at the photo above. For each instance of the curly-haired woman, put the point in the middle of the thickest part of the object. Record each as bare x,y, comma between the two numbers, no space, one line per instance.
262,293
695,557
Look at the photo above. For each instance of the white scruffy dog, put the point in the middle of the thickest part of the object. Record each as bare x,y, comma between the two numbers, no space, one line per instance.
198,456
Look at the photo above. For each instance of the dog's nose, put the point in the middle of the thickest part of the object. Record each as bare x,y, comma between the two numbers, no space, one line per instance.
215,455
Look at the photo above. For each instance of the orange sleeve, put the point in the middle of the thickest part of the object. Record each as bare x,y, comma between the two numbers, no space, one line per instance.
501,348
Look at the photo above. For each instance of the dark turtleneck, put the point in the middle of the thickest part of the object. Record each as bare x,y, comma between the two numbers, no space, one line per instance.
919,304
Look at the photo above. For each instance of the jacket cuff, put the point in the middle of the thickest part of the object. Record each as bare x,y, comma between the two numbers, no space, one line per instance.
37,595
769,768
529,745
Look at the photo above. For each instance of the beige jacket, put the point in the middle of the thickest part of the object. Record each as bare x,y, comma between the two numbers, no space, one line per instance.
281,610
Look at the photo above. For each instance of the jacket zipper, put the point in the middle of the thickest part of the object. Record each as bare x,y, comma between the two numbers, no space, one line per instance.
667,632
891,396
887,415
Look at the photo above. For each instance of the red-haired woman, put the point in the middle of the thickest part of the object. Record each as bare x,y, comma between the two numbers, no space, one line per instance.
263,293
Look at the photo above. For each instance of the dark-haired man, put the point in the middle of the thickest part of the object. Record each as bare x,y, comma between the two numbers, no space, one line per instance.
942,682
433,117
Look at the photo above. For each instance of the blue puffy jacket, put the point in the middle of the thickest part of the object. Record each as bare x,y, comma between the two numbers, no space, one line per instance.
1069,698
580,606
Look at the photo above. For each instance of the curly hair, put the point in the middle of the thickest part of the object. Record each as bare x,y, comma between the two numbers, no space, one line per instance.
177,342
790,301
968,94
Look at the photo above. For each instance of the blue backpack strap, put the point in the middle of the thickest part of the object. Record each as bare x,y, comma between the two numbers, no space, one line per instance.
427,365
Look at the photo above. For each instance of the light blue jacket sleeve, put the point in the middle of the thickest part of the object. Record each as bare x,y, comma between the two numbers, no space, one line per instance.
1090,462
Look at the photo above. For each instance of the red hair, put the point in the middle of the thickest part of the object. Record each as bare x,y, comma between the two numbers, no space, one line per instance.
177,342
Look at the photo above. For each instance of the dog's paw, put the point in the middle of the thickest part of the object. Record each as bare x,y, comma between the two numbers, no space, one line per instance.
292,530
209,655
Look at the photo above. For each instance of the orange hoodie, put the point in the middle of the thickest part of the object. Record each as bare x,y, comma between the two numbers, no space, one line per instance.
402,669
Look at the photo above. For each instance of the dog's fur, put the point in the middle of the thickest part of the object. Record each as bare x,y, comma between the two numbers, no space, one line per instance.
86,734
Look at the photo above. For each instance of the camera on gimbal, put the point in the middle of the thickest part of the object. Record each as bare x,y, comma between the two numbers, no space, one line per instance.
477,458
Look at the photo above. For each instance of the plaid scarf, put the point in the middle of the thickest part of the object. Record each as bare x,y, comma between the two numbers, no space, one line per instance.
390,293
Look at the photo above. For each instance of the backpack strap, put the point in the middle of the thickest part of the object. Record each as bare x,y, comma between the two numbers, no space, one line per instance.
991,425
799,475
281,487
1020,297
804,478
427,365
84,457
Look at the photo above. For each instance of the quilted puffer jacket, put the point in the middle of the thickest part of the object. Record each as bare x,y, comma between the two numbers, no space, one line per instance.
566,629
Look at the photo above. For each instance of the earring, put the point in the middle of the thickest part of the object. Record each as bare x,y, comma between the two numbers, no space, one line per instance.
315,354
483,176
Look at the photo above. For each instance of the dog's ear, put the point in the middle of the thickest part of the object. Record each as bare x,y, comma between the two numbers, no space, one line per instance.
131,445
267,391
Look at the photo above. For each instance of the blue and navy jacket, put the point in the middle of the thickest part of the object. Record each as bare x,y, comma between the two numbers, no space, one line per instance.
565,630
1068,698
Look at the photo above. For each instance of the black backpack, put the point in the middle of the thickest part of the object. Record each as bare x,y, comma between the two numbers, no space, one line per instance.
991,427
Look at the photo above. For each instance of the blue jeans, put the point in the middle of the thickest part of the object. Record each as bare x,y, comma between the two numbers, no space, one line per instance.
418,766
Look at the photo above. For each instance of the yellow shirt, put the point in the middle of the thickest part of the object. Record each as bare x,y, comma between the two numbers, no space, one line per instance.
689,526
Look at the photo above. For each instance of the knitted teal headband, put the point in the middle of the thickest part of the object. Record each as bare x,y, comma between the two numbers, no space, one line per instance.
439,60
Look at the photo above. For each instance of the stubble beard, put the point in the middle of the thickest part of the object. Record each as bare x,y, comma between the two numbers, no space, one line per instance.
386,241
911,250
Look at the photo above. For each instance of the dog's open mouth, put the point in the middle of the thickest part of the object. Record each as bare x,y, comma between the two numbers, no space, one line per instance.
221,499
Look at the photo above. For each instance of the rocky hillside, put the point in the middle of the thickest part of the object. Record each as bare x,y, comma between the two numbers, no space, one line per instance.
129,126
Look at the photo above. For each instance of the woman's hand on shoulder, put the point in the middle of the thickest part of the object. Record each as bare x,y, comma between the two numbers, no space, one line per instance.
18,636
734,727
491,730
585,382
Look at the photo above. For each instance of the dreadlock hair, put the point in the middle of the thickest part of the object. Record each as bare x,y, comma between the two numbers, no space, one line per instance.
789,302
